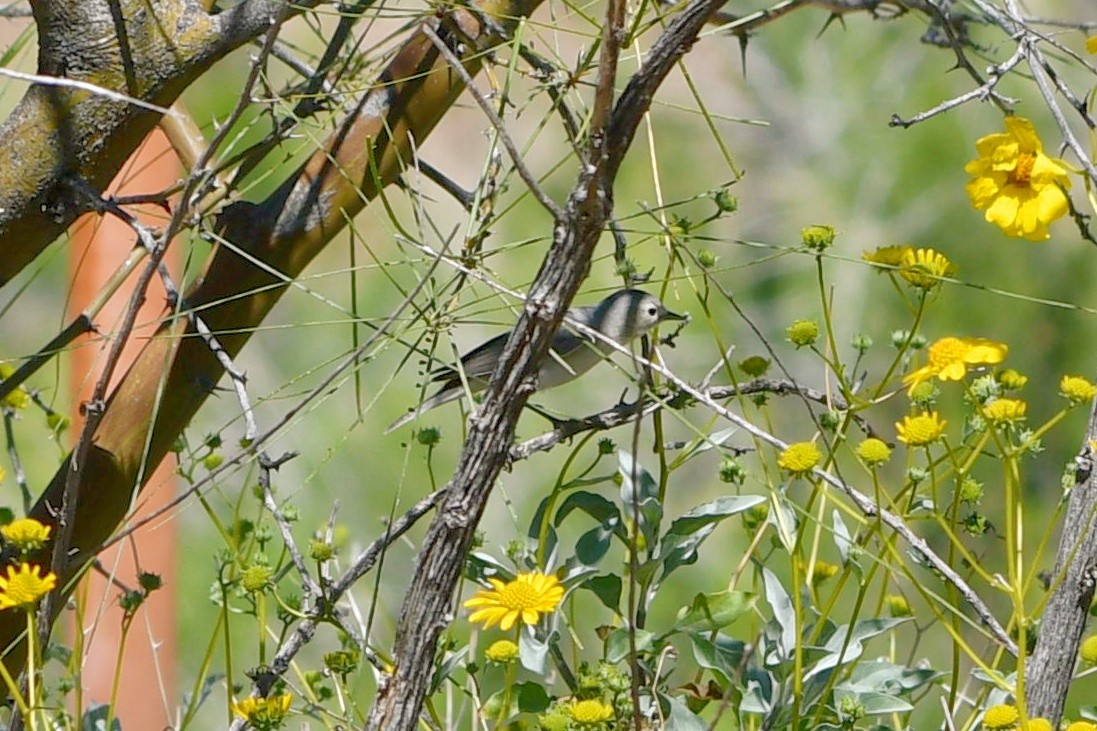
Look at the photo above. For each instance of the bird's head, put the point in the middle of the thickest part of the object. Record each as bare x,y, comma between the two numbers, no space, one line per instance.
630,313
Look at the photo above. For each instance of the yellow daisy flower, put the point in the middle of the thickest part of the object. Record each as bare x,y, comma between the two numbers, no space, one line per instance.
1088,650
921,430
23,587
924,268
264,714
890,257
1091,44
1005,410
950,357
1077,389
1019,186
873,452
26,534
1082,726
502,652
800,458
526,598
1001,717
590,712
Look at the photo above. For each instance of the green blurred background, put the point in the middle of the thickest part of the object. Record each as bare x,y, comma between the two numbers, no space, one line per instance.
804,115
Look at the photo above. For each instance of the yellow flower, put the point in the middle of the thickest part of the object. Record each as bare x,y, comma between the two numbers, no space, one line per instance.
950,357
590,712
26,534
256,578
1082,726
18,398
1088,651
1001,717
23,587
1037,724
873,452
890,257
264,713
1077,389
1005,410
920,430
1012,380
526,598
897,605
1020,187
800,458
823,571
924,268
1091,44
502,652
803,332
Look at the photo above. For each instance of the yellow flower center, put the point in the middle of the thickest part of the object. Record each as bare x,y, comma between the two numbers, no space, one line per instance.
590,712
1021,174
519,595
946,351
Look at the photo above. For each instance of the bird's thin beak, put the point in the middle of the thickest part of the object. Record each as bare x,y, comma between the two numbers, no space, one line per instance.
668,315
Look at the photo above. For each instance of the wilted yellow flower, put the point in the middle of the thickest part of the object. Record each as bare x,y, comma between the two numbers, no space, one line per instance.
873,451
1020,187
526,598
924,268
950,357
501,652
1077,388
887,256
264,714
920,430
26,534
799,458
23,587
590,712
1005,410
1001,717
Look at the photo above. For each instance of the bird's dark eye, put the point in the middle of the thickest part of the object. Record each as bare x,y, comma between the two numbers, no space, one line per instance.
653,310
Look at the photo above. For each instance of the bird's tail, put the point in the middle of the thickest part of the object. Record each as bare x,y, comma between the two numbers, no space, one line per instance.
447,394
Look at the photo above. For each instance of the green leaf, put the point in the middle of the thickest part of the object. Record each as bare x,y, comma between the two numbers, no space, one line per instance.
608,590
532,653
724,656
711,612
783,611
842,539
596,506
640,493
532,697
678,716
886,677
713,512
617,643
875,704
592,545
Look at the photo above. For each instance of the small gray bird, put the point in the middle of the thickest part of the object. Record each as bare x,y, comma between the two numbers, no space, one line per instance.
623,316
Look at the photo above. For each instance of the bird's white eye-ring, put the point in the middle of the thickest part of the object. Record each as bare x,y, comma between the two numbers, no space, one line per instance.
653,310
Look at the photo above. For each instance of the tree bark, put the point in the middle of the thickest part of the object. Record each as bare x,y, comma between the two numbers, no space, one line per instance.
1051,667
